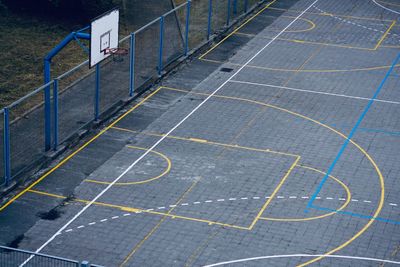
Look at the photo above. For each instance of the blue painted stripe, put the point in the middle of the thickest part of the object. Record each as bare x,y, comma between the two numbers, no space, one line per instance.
353,131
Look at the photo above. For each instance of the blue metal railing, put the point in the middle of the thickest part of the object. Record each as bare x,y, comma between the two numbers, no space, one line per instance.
19,257
51,130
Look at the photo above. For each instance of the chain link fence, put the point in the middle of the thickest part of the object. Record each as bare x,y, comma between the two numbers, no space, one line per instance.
11,257
68,105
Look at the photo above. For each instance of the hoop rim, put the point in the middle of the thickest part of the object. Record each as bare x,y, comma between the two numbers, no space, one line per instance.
116,51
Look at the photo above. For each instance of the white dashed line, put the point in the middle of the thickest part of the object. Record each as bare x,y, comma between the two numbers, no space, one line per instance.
353,23
222,200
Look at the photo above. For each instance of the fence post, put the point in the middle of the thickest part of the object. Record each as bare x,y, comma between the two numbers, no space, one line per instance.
97,94
160,55
187,27
85,264
246,5
47,107
228,17
132,65
209,19
6,144
235,7
55,111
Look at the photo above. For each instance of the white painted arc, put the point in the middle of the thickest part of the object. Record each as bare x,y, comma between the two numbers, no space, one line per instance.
164,137
302,256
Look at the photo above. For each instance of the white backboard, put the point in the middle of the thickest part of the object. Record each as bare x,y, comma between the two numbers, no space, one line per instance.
104,34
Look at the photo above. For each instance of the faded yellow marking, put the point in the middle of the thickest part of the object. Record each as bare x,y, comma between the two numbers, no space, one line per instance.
306,70
198,140
78,150
208,142
388,3
385,35
102,204
348,199
167,170
275,192
308,42
238,28
157,226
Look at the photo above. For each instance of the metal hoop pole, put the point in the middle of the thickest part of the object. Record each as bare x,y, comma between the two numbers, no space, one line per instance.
187,27
97,94
132,65
160,55
55,111
6,141
209,19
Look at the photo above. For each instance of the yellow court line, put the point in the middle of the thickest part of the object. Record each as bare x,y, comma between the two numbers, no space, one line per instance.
385,35
77,151
365,153
102,204
306,70
275,192
209,222
238,28
347,202
307,42
203,141
157,226
388,3
329,14
166,170
312,24
391,46
141,210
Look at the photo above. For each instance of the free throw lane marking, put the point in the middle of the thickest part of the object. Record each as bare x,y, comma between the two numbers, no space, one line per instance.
59,231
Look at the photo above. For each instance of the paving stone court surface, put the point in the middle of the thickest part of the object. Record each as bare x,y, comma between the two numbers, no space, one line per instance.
251,141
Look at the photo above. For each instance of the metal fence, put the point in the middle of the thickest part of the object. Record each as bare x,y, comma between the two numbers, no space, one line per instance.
10,257
61,109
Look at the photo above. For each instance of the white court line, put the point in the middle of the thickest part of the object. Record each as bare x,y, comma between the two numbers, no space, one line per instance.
388,9
315,92
301,255
163,137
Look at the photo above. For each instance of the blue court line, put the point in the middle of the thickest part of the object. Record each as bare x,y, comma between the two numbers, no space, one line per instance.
353,131
357,215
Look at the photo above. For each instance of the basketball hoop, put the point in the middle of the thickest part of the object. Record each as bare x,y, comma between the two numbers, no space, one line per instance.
117,53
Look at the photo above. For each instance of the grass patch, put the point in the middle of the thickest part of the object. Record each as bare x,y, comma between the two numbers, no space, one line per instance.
24,41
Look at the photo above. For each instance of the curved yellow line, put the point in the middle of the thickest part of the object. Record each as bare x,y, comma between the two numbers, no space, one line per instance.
348,193
167,169
388,3
320,71
312,27
381,179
